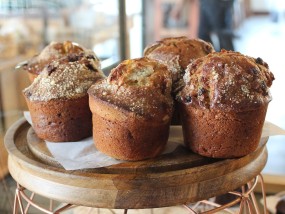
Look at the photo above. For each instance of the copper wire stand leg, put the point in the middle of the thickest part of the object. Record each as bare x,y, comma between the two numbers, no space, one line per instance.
15,208
246,200
21,196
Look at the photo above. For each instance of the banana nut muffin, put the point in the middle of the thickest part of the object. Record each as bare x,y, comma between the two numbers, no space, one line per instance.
132,109
224,103
53,51
58,99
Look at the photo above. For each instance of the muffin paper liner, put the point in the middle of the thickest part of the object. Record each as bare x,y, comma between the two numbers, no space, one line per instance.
83,154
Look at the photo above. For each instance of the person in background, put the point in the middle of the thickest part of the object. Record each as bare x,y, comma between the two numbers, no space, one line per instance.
216,16
192,11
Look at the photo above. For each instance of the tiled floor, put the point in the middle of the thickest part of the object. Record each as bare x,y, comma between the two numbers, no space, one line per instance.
257,37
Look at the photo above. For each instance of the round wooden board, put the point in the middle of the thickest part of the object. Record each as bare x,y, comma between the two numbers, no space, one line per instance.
179,159
176,178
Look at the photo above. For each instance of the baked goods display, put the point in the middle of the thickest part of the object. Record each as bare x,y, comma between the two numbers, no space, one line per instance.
53,51
132,110
58,99
177,53
224,103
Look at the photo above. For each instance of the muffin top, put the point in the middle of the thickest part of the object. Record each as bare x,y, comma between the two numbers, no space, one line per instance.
68,77
177,53
141,86
53,51
227,80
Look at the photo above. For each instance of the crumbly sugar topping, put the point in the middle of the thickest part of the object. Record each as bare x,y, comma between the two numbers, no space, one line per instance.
54,51
227,80
141,86
64,79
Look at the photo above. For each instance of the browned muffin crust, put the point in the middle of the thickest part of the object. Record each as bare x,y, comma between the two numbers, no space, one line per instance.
222,134
186,49
131,110
227,80
55,50
224,104
61,120
58,99
177,53
68,77
141,86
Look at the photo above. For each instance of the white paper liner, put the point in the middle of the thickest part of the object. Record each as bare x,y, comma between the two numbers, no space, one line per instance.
270,129
83,154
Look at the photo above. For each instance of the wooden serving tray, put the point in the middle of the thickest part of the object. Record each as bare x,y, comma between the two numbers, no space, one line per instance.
176,178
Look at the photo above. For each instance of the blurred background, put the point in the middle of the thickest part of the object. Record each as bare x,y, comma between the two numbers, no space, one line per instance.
121,29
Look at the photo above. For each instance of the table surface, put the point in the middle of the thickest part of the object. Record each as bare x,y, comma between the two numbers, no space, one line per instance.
176,178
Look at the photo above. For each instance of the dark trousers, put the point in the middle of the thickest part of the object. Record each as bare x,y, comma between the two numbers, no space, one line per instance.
216,17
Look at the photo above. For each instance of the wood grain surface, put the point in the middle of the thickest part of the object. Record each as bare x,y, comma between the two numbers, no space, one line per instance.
172,179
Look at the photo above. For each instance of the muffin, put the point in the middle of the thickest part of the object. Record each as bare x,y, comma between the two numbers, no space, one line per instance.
224,103
177,53
58,99
55,50
132,109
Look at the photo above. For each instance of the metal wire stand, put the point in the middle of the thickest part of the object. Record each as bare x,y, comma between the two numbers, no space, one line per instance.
245,201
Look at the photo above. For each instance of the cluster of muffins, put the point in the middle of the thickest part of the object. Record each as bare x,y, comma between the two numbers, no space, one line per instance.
221,98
